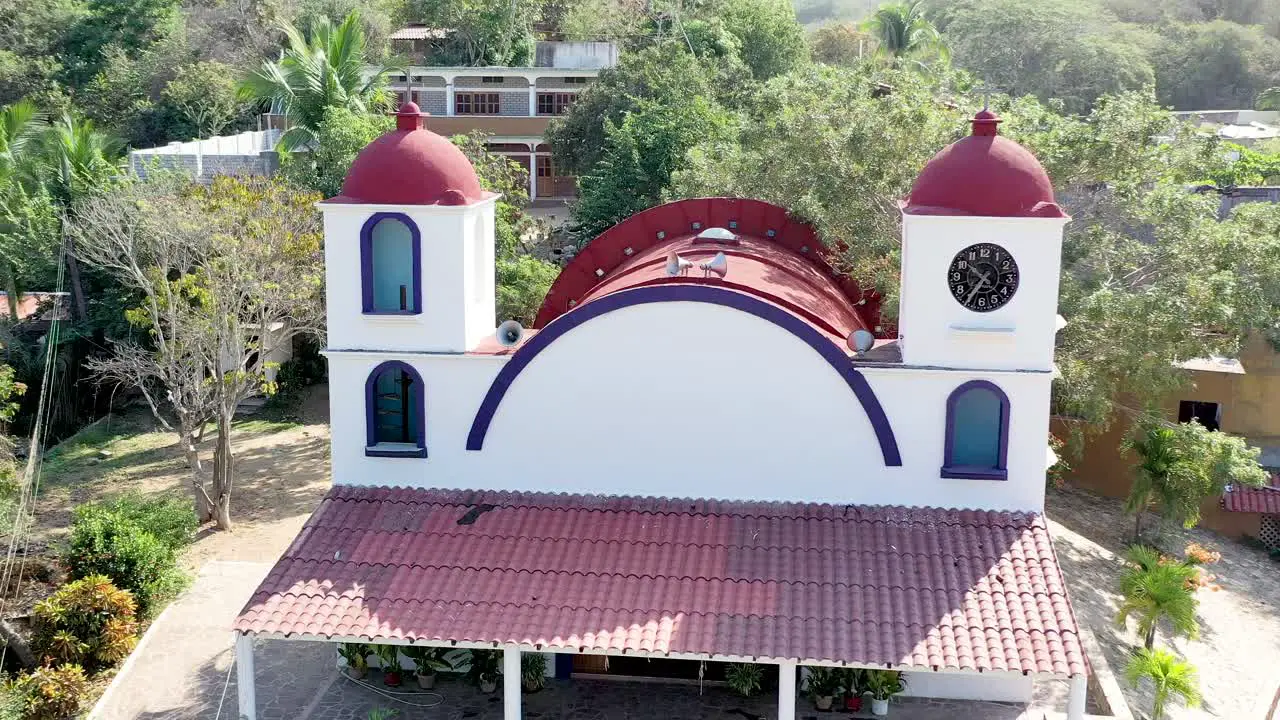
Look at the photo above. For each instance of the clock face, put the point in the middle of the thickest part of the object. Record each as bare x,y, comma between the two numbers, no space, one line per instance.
983,277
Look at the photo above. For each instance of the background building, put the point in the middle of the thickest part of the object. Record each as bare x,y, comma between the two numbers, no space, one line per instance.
512,105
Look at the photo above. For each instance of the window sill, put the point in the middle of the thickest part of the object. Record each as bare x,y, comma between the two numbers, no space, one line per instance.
391,313
963,472
395,450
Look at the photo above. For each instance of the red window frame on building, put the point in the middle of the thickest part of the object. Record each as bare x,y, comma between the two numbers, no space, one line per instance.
555,103
476,103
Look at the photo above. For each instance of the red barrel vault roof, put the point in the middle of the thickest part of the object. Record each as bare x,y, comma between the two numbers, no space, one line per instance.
889,586
775,258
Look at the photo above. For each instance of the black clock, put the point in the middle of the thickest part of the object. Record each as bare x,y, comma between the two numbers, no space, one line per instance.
983,277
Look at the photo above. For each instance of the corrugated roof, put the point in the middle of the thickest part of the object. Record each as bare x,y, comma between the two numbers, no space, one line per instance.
419,32
903,587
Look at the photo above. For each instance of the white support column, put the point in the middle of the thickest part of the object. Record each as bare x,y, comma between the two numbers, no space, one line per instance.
244,677
787,691
448,97
533,174
510,684
1076,700
533,97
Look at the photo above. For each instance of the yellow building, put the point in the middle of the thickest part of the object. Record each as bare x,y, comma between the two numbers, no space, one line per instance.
1241,397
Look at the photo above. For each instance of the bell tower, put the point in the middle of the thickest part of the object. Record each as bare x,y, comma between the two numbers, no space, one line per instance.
981,256
409,247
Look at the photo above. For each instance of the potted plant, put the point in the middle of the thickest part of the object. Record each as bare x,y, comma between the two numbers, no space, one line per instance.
823,685
883,684
533,671
389,659
744,678
851,681
427,661
356,656
484,669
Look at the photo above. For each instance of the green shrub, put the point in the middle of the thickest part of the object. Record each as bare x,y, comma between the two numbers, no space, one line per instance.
11,702
89,622
51,693
134,543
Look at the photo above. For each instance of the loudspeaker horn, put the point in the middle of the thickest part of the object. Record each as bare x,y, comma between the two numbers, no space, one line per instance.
677,265
718,265
509,333
861,341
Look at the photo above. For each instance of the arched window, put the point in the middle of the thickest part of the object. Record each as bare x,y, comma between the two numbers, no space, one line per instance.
391,265
977,442
394,412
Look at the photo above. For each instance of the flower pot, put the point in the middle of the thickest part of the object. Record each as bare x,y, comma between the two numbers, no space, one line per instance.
531,686
426,682
823,702
853,702
356,673
879,707
391,678
488,686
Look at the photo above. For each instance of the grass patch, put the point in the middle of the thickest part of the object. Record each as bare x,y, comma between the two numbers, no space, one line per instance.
264,425
130,441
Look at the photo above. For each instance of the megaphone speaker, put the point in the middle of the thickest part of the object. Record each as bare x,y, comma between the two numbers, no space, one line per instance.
509,333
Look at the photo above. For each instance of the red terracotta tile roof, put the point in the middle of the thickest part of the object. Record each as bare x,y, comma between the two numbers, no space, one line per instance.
909,587
1253,500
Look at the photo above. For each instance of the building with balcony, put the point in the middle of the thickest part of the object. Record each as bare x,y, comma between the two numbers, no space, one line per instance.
512,105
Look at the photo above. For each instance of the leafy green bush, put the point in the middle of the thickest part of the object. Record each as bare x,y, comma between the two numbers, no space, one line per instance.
51,693
89,622
133,542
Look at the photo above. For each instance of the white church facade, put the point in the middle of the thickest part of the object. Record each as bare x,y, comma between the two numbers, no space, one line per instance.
710,447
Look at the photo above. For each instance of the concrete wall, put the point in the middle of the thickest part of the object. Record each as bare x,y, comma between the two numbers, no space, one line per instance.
995,686
457,275
937,330
687,400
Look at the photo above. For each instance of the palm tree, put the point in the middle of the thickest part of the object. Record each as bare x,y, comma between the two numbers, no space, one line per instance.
1269,99
1158,589
1157,450
903,31
313,75
19,133
77,160
1172,679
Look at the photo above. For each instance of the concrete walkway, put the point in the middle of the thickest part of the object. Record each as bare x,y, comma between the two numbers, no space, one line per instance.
181,664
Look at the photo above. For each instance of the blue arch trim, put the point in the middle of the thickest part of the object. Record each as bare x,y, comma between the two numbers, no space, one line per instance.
366,264
371,408
830,352
999,472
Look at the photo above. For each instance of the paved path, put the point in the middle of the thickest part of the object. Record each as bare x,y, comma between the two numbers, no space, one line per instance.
180,666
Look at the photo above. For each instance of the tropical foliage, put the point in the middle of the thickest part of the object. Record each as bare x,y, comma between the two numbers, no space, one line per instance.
1181,465
318,71
1158,590
88,622
904,32
1172,679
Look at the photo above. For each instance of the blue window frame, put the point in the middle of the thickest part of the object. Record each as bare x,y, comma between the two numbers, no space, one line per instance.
391,265
395,412
977,440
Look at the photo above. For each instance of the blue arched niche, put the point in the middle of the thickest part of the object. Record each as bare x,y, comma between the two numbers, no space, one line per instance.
390,265
977,441
802,330
395,411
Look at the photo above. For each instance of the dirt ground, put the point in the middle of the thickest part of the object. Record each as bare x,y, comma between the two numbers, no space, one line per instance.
282,469
1238,650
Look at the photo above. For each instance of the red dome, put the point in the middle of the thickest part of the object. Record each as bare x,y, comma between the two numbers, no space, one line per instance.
411,166
984,174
